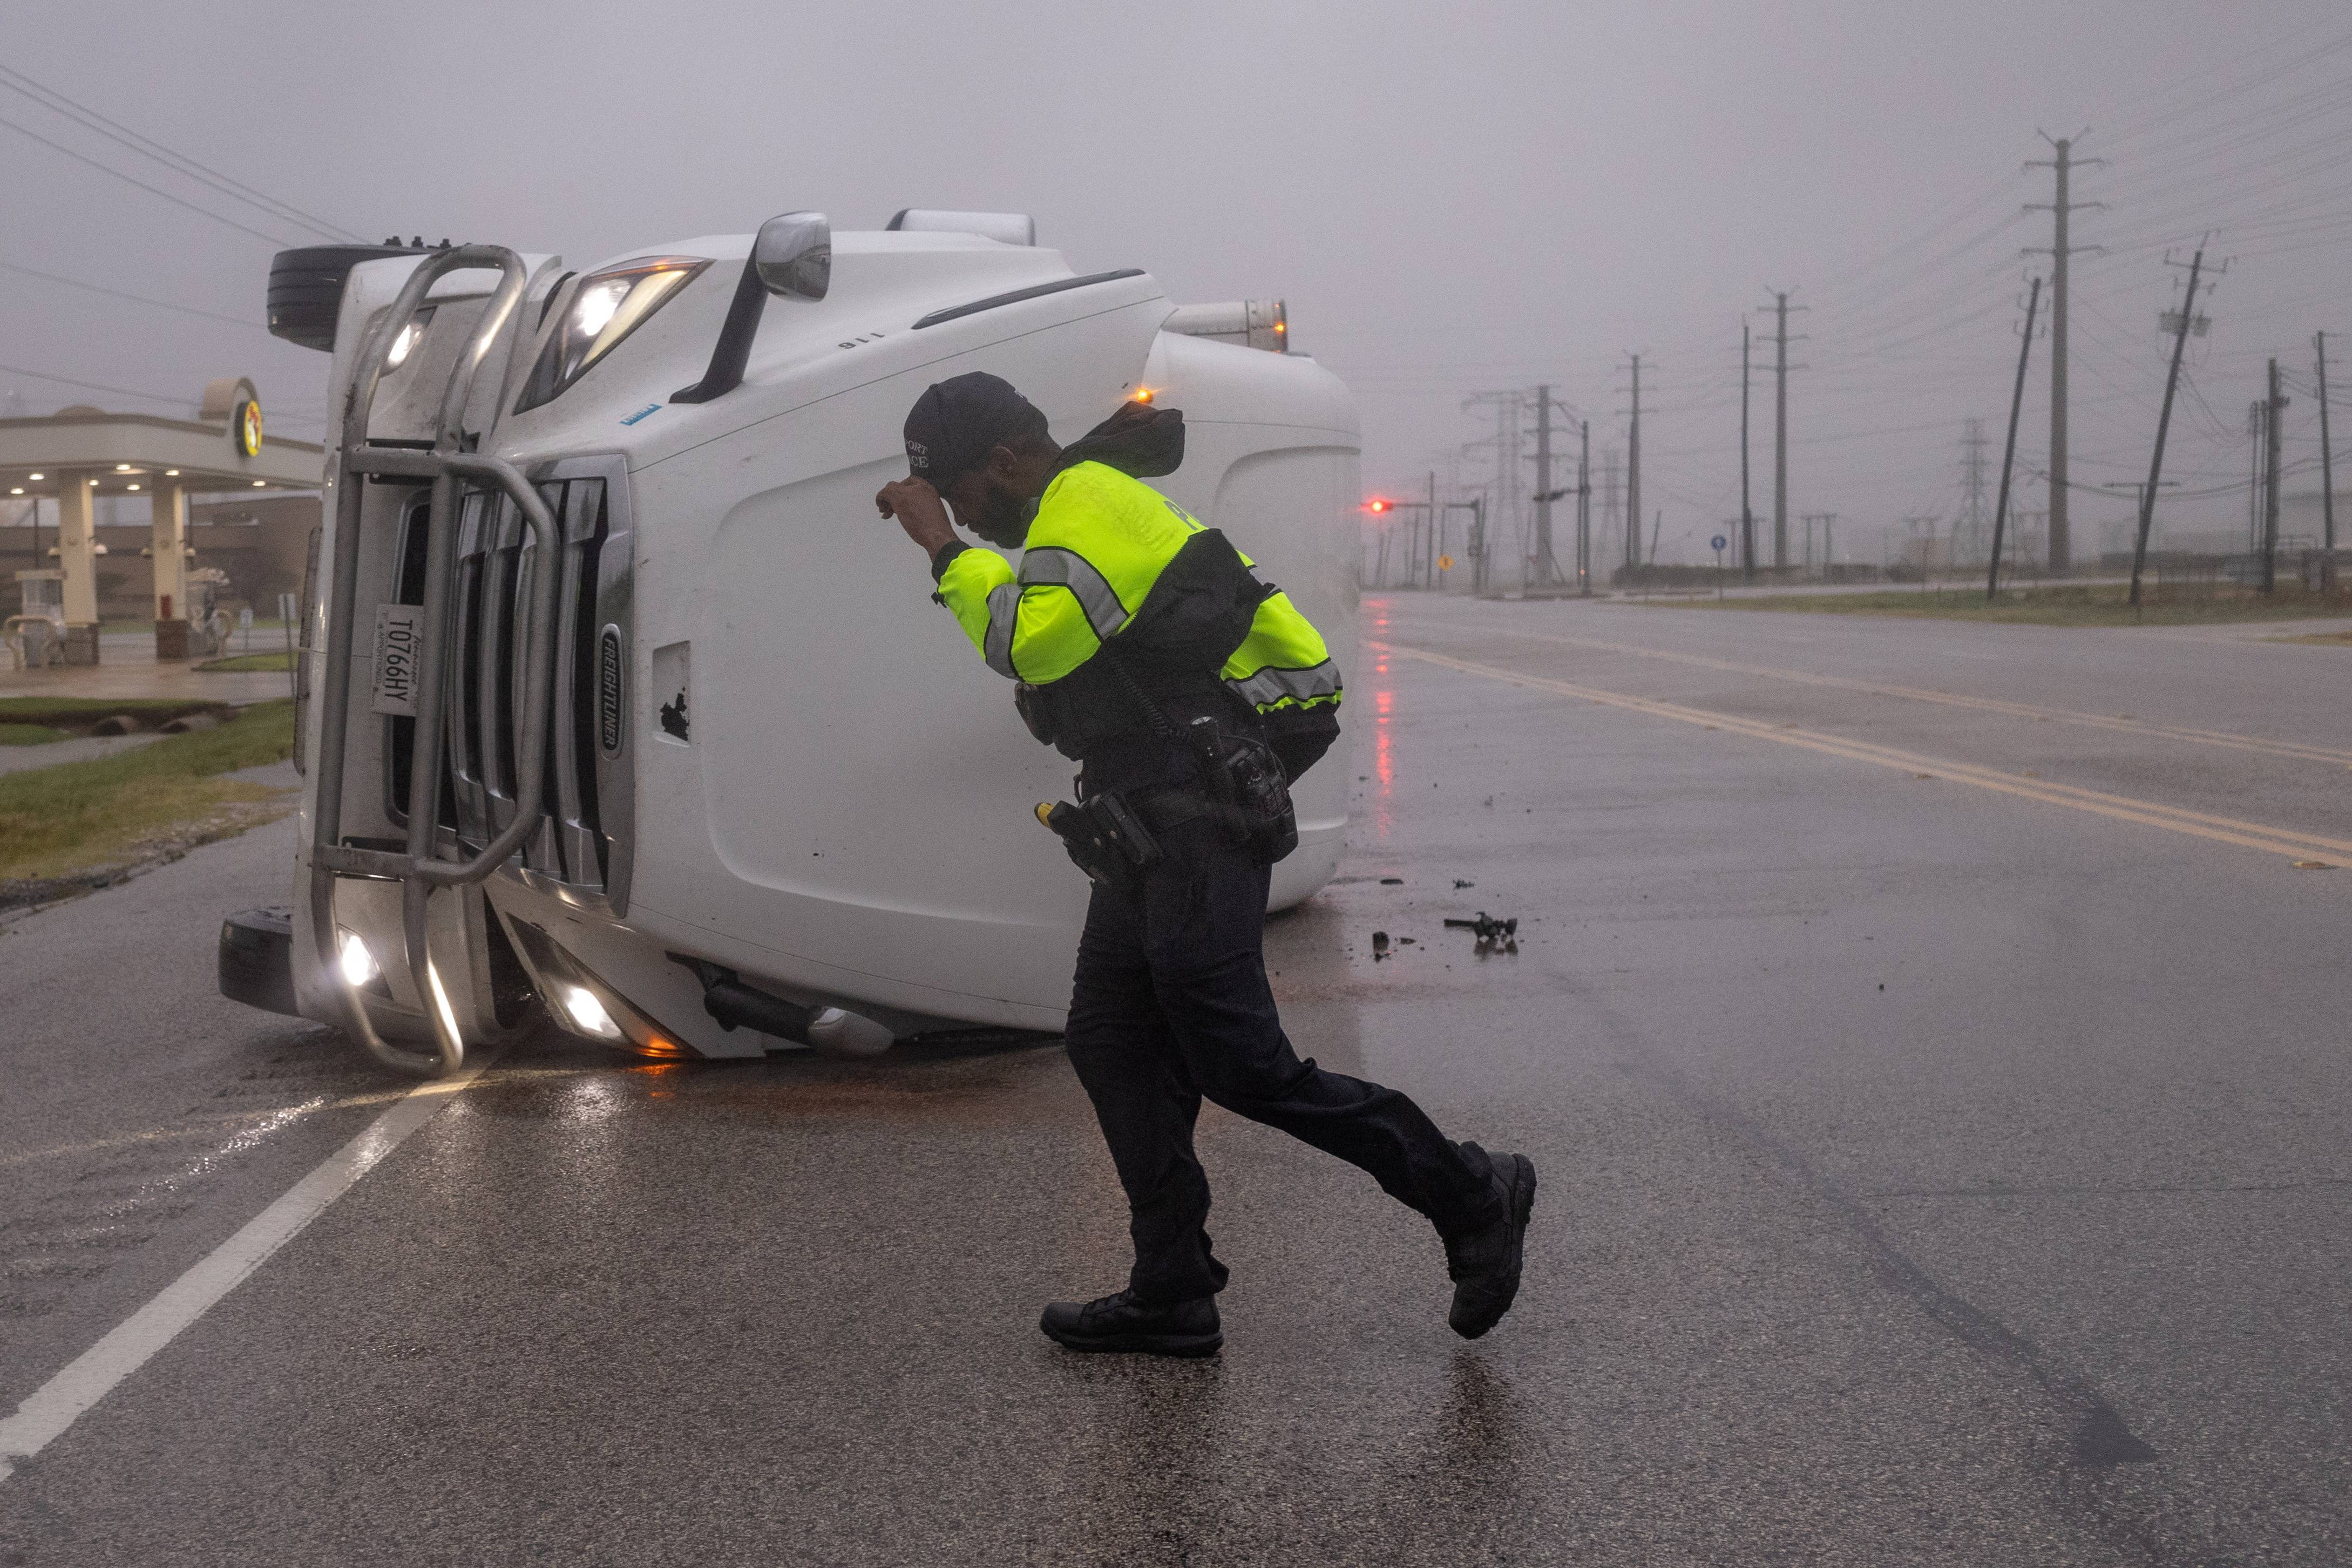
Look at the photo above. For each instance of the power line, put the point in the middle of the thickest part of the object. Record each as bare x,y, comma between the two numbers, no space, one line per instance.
135,299
133,391
179,162
151,190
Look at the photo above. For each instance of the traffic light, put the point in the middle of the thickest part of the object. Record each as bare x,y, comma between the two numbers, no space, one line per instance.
1376,505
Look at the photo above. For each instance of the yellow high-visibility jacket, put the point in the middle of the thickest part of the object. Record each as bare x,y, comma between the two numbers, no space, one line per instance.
1109,558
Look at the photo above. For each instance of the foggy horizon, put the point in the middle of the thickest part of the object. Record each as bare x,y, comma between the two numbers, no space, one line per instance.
1521,195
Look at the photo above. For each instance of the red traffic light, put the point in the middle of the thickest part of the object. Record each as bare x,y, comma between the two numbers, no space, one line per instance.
1376,505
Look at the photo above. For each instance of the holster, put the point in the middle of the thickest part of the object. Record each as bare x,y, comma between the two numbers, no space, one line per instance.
1104,836
1251,794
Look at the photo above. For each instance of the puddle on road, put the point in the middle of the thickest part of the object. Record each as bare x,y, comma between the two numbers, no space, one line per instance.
927,1083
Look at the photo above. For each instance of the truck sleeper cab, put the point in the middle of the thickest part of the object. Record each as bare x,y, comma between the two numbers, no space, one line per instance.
614,691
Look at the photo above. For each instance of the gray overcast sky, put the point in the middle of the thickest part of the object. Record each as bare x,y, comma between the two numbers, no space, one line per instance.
1452,199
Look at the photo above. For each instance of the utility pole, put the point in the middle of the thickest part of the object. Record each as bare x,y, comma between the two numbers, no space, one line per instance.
1747,513
1633,477
1584,508
2270,423
2327,460
2009,452
1437,525
1610,514
1779,308
2060,207
1780,438
2258,415
1545,571
2164,423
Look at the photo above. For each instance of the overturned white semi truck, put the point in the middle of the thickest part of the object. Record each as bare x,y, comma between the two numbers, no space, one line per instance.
616,698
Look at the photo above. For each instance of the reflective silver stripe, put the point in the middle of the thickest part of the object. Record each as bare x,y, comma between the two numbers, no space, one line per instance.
1049,565
1004,606
1269,686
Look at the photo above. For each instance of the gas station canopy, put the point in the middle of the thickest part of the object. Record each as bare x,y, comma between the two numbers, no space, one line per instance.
129,451
79,453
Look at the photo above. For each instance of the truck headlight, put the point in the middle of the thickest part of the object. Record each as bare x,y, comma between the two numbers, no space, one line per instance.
605,309
404,342
587,1012
359,965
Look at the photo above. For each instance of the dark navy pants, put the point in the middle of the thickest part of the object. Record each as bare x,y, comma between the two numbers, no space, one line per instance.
1170,1005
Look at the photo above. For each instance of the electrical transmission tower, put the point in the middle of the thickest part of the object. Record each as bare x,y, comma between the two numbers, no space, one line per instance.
1972,486
1510,473
2060,207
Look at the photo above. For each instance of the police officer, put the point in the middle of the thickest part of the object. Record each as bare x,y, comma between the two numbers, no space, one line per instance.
1146,648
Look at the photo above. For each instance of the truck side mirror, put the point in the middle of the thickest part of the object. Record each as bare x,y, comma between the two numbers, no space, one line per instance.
793,254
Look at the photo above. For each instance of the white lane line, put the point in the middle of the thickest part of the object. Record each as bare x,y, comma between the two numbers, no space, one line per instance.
2293,843
2302,751
57,1404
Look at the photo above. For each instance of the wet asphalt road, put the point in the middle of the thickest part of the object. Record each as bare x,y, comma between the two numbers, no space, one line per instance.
1934,1171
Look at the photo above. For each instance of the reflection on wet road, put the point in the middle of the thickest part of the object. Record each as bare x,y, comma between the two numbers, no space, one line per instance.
1933,1174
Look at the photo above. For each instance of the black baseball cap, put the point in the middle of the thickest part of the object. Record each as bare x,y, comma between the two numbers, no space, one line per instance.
957,423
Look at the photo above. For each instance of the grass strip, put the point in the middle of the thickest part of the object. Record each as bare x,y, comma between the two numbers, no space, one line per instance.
277,659
28,734
2083,605
45,710
79,816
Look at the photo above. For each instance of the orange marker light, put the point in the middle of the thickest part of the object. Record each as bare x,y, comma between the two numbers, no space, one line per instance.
1142,395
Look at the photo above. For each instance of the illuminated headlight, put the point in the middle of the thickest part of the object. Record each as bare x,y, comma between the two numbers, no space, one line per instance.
605,307
359,965
405,343
587,1014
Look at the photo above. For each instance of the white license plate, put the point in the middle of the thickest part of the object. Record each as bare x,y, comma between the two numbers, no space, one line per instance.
399,640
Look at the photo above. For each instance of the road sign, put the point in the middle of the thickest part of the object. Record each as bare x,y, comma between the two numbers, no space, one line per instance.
1718,544
1445,563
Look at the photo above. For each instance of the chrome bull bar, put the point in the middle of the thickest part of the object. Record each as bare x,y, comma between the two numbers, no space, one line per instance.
420,868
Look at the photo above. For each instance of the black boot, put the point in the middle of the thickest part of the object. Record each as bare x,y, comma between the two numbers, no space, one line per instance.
1122,1324
1484,1263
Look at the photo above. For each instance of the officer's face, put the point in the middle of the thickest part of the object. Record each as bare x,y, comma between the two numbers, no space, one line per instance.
988,501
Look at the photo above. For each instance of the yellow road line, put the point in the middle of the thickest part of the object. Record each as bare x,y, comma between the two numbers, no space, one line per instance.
2292,748
2293,844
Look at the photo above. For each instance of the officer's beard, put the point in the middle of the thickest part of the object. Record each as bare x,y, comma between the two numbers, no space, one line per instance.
1003,519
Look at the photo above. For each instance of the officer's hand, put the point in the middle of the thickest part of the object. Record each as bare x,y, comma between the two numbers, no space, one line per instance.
919,511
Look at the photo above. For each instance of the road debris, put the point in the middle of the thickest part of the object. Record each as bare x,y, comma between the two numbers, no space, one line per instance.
1493,936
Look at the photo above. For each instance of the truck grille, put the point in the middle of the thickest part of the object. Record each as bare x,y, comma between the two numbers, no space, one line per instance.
572,843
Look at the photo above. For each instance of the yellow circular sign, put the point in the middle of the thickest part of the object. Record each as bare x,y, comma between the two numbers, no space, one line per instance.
1445,563
244,427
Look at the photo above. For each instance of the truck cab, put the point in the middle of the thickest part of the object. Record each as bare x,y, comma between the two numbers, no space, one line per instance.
616,695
